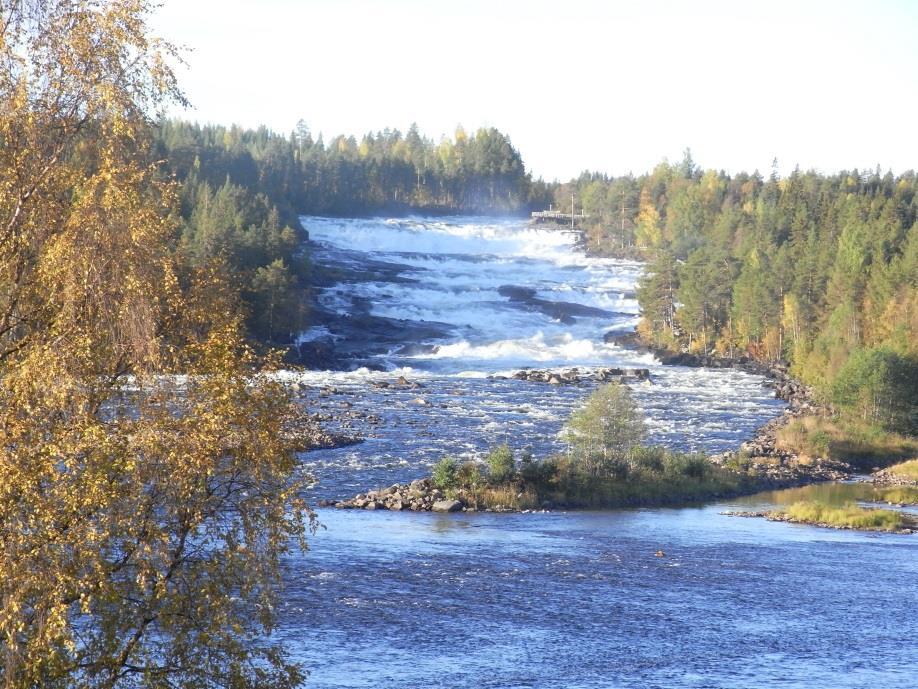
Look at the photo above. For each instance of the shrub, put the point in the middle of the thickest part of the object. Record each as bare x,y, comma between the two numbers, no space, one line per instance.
444,473
540,473
649,458
468,475
500,463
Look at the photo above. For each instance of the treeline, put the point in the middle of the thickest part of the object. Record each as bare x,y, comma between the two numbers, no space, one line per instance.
386,171
820,270
243,190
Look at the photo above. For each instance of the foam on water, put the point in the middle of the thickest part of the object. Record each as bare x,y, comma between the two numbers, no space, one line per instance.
453,271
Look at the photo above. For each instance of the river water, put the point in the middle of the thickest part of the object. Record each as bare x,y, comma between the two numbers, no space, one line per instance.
560,599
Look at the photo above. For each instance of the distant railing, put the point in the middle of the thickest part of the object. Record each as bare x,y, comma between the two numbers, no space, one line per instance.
558,215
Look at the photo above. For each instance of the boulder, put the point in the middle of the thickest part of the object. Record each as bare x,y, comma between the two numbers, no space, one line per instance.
447,506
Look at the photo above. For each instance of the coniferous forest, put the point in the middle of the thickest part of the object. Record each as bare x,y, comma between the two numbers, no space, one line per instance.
818,270
243,190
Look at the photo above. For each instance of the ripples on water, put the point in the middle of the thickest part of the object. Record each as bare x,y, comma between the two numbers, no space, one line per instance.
560,600
581,600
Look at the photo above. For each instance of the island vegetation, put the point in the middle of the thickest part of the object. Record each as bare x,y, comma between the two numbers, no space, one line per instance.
848,516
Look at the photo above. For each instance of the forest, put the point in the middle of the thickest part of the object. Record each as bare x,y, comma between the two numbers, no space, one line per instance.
818,270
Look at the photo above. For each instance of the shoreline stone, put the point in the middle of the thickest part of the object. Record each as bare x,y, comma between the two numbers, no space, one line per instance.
885,477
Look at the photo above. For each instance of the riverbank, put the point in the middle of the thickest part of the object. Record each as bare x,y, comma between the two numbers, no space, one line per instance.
422,495
772,451
846,517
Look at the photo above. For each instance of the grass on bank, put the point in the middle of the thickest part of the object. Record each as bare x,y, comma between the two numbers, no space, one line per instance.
860,445
849,516
606,466
908,470
901,495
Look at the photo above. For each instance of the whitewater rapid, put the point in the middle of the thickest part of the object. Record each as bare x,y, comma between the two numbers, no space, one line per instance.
451,272
436,290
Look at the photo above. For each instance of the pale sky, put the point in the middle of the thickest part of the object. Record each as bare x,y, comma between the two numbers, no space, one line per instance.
577,84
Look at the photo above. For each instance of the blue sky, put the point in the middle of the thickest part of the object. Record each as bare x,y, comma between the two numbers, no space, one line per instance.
608,86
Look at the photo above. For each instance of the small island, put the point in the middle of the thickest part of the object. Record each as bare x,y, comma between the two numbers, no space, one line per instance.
607,466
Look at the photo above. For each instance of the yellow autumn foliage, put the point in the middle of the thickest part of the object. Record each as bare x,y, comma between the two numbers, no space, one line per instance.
147,481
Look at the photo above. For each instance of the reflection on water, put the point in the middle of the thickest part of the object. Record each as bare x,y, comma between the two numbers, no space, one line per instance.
837,494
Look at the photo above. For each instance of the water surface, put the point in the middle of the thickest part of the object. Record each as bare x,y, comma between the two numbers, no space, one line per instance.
564,599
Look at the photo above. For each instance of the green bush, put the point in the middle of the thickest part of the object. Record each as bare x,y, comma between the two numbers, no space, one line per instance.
500,464
879,386
444,473
540,473
649,458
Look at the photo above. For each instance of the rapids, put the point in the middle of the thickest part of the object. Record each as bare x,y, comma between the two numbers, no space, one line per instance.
497,295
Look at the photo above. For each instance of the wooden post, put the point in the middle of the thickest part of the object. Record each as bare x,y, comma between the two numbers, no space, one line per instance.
623,219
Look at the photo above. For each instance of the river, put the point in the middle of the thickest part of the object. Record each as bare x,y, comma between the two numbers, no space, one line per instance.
556,599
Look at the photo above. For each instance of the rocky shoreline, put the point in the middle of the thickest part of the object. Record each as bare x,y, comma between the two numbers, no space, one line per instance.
885,477
418,496
762,455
